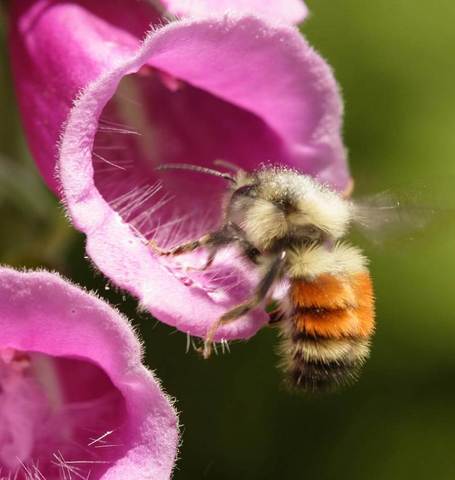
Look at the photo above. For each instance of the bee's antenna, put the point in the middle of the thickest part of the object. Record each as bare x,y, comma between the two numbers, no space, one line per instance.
195,168
226,164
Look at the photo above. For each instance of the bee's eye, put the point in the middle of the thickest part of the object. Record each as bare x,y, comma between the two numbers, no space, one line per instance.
246,190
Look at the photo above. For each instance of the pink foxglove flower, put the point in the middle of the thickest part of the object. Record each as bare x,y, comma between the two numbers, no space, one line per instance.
75,399
236,87
58,47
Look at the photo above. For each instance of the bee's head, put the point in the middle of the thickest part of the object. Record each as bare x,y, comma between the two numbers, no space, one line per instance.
276,206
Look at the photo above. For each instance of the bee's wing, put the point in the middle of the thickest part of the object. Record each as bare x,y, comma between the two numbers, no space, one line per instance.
384,215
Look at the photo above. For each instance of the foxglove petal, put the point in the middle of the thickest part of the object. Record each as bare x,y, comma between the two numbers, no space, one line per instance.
236,88
57,48
75,399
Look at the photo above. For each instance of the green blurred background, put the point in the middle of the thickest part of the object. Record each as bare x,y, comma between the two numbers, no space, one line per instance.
395,62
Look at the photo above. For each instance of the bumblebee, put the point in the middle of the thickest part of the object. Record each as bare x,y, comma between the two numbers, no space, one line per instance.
292,227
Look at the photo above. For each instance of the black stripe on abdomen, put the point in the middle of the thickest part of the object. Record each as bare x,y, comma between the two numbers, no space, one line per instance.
317,377
318,364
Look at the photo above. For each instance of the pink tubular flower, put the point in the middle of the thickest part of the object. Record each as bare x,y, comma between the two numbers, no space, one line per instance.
75,400
235,87
58,47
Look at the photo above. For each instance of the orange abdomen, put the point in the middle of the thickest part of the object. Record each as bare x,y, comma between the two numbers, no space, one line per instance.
333,307
327,331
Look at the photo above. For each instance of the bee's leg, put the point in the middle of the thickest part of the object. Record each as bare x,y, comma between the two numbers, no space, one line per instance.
276,316
228,234
210,258
182,248
275,311
259,295
214,241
